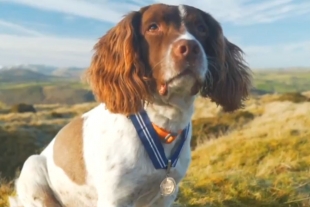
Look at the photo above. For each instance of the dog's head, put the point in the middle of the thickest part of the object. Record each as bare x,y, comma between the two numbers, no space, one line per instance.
165,51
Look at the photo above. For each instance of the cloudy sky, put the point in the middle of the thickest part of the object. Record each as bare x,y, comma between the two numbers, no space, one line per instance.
273,33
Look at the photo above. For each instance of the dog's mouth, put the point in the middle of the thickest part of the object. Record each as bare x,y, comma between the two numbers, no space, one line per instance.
163,89
181,74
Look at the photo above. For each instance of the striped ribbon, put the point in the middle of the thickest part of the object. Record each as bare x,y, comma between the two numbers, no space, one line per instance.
151,141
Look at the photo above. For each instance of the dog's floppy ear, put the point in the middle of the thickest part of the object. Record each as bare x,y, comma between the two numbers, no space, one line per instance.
231,78
117,75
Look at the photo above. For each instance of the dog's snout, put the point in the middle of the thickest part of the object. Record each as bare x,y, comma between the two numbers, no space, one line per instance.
184,48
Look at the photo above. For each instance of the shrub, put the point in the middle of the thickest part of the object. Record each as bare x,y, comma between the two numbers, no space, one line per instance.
22,108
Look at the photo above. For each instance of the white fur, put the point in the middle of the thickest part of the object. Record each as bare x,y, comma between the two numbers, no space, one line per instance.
182,11
170,72
187,36
169,63
119,171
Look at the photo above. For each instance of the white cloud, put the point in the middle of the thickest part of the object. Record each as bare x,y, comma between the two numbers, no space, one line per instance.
100,10
245,12
77,52
45,50
233,11
18,28
293,54
37,48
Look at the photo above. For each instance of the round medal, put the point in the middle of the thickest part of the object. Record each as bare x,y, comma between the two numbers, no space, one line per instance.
167,186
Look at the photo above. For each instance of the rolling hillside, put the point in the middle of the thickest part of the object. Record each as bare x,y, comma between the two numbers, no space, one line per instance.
22,76
39,84
245,158
42,85
241,159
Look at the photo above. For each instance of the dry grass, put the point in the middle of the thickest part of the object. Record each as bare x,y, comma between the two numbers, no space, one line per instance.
6,189
265,162
258,156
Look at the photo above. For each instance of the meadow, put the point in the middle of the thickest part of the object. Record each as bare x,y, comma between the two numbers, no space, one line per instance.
258,156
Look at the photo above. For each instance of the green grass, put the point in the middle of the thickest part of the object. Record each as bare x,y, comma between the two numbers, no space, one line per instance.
282,81
45,92
75,84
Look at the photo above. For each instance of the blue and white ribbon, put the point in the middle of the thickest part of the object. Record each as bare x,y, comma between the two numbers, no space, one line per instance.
151,141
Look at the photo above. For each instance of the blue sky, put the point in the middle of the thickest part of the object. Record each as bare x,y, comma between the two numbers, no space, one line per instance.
273,33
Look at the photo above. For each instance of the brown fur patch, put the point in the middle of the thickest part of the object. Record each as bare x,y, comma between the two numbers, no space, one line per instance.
50,201
68,151
47,198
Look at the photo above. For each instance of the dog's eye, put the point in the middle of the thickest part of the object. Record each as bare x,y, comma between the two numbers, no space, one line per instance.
201,28
153,27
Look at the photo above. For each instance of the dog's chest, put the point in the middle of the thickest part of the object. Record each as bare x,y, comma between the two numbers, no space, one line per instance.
141,180
143,183
116,159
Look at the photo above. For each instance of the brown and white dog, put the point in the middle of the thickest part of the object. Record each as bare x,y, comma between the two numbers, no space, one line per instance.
158,59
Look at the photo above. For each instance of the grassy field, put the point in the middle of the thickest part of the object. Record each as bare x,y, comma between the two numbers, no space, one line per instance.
262,160
258,156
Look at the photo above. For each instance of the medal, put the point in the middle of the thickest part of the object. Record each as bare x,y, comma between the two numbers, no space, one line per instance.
168,185
156,152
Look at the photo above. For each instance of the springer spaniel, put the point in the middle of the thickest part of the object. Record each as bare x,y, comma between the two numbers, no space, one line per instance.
146,73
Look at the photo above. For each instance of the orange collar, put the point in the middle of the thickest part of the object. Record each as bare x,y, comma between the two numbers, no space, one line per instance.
168,137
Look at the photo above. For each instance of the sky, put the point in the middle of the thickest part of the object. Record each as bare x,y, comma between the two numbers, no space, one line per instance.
272,33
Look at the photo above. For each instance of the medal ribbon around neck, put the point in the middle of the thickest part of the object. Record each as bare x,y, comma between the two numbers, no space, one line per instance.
151,141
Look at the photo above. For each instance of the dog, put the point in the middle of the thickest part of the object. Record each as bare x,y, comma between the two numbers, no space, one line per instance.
133,148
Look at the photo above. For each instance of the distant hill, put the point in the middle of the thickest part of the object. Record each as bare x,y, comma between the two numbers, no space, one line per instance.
62,93
22,76
39,84
72,72
44,69
50,72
